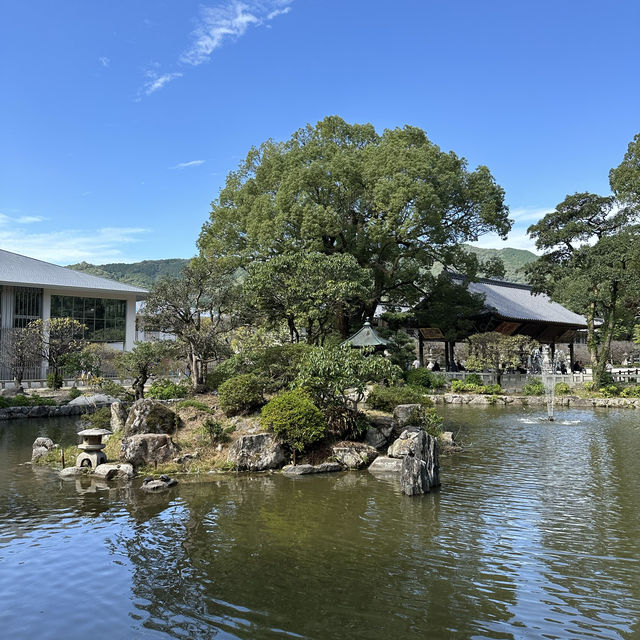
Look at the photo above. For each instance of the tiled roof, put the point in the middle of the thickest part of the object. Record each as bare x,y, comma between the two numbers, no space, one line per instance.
513,301
19,270
366,337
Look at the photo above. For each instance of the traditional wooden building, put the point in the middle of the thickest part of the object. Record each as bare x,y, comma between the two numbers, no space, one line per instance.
511,309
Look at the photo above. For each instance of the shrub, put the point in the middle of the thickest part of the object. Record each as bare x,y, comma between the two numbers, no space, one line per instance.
294,418
424,378
165,389
463,386
428,419
610,391
195,404
233,366
240,394
54,380
474,378
21,400
101,419
388,398
631,392
74,393
533,388
111,388
491,389
214,430
563,389
590,387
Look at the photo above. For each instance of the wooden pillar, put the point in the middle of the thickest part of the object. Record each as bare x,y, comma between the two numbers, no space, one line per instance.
452,355
420,348
571,356
446,356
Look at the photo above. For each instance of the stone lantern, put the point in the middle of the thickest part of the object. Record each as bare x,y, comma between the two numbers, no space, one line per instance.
92,448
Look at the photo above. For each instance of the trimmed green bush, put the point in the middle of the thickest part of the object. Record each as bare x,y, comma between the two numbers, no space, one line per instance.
240,394
533,388
631,392
463,386
165,389
384,398
422,377
563,389
474,378
610,391
294,418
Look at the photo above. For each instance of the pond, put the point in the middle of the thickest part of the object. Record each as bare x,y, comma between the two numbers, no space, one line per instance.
534,533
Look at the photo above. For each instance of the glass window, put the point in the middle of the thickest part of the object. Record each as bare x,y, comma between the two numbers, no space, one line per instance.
28,306
104,318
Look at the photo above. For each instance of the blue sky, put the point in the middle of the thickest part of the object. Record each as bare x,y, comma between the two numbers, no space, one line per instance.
119,120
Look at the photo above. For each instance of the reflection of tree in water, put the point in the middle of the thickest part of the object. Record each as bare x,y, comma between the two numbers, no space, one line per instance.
591,527
331,557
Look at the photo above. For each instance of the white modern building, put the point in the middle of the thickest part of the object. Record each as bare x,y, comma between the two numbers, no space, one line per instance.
32,289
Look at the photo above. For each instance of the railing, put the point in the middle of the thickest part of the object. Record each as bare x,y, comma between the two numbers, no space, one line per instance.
515,381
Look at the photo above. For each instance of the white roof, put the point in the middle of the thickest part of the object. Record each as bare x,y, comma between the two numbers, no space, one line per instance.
22,271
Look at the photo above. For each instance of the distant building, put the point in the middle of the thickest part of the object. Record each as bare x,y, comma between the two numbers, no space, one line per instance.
31,289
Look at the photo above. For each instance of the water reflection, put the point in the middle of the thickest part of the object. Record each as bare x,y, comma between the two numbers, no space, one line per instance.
535,533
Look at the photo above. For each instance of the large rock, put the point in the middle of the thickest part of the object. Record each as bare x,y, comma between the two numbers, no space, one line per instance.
93,399
72,472
148,448
354,455
420,467
257,452
413,476
404,414
401,447
119,415
306,469
110,471
150,416
383,464
154,485
378,434
41,447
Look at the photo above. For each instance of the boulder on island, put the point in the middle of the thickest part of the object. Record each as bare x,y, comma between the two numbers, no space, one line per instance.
257,452
354,455
111,471
41,447
150,416
148,448
154,485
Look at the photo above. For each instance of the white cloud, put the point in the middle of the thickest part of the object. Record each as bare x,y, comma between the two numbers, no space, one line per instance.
69,246
156,81
230,21
104,61
29,219
191,163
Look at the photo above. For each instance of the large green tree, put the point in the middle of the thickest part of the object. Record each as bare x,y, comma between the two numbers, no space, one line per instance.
625,178
305,290
591,263
394,201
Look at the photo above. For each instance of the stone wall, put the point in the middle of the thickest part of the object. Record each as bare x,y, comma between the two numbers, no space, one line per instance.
532,401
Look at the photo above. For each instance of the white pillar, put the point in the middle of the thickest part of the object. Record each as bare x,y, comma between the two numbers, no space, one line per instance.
130,324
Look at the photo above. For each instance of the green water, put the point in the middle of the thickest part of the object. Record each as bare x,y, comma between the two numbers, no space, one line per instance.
535,533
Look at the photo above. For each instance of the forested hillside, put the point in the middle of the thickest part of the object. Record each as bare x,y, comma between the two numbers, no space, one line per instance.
144,274
139,274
